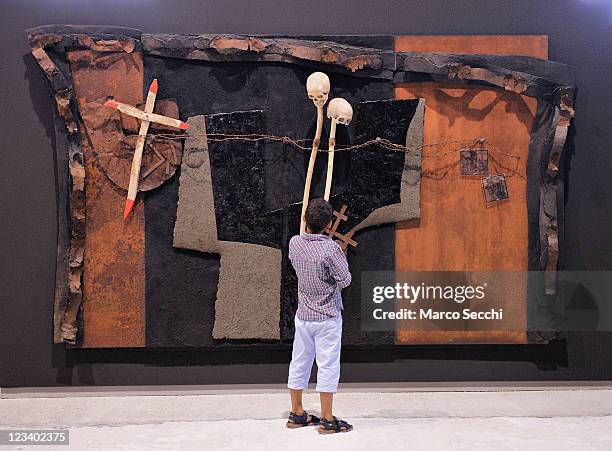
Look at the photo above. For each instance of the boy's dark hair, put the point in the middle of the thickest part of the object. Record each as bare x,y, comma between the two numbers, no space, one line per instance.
318,214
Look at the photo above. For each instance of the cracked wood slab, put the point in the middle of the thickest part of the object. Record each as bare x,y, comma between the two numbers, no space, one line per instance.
532,76
535,77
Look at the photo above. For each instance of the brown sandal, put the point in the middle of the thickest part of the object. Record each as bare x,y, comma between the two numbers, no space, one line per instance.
331,427
299,421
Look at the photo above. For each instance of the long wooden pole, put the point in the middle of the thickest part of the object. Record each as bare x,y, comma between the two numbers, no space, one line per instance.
330,160
311,165
137,161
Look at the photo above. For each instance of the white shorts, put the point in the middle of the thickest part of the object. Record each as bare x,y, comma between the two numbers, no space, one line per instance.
320,340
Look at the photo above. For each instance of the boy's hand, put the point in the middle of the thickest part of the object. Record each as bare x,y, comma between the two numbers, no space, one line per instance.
338,267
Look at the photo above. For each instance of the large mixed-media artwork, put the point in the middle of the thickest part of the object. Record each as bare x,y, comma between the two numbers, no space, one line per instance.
185,161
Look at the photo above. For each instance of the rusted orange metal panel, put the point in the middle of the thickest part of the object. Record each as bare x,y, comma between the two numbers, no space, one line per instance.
114,259
457,231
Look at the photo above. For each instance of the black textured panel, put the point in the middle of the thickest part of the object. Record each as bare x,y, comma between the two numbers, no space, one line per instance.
376,171
279,91
180,285
237,174
375,252
375,181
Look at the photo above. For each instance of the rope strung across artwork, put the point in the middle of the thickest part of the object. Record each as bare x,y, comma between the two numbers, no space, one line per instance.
296,142
385,143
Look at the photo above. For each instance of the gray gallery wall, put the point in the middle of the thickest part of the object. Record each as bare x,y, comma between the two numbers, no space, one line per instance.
580,33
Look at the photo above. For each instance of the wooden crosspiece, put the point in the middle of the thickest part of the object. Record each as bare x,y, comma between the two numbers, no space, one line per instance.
147,116
343,240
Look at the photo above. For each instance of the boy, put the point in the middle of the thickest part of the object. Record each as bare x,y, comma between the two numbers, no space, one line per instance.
322,272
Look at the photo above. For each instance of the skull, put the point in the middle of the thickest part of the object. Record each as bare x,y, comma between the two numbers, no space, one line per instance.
317,86
340,111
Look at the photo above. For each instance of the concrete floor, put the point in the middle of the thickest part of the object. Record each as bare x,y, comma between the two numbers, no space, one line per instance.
525,420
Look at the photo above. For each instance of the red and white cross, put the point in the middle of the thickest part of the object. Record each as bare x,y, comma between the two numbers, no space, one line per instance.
147,116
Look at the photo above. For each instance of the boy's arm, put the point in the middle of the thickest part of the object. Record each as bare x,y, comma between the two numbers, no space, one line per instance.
338,267
291,244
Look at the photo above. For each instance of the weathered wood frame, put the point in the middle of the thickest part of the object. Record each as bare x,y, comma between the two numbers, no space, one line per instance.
551,83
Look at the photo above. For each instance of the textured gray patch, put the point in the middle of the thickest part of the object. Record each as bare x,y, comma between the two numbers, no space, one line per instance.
248,297
410,191
195,227
248,294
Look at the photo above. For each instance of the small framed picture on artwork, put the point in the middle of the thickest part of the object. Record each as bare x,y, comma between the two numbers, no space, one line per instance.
495,188
474,162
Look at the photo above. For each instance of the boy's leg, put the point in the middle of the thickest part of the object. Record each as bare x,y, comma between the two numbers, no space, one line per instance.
301,364
328,340
296,401
327,400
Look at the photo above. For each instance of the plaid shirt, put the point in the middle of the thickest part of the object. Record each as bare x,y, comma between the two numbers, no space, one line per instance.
322,272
